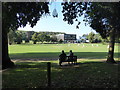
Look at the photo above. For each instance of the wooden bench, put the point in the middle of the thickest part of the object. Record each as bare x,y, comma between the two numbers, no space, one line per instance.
72,59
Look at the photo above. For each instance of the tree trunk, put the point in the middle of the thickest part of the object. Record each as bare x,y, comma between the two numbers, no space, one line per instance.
6,62
110,58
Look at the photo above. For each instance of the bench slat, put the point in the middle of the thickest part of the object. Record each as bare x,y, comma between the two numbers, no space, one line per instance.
69,59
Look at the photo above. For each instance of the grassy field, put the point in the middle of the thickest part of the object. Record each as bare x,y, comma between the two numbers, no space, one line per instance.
52,51
90,72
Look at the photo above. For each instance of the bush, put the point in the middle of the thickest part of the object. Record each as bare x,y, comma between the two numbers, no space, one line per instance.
60,41
26,40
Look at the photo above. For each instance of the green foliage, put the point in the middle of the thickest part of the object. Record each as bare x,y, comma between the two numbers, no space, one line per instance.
34,38
91,37
93,14
31,35
18,14
24,36
26,40
52,33
60,41
98,38
15,35
47,38
18,37
43,37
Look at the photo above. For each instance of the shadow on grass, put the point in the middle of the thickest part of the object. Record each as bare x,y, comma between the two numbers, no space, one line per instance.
55,55
82,75
31,65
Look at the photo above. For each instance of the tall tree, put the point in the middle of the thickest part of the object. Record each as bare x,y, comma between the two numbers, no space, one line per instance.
91,37
34,38
18,37
42,37
18,14
102,17
98,38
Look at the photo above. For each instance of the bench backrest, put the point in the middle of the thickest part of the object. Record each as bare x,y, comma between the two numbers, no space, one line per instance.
72,57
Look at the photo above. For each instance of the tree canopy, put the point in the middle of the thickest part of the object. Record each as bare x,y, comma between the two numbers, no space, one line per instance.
101,16
18,14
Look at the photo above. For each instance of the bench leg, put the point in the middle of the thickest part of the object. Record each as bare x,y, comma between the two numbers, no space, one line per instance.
76,62
72,62
60,63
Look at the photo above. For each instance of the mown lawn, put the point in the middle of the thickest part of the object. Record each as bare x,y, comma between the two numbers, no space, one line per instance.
52,51
91,71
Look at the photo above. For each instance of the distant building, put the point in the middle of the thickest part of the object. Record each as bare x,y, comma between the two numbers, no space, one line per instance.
67,37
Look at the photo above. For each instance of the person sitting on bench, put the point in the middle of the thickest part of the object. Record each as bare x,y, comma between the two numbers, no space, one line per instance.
70,54
62,57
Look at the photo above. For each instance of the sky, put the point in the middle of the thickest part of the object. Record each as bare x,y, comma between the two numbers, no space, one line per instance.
51,24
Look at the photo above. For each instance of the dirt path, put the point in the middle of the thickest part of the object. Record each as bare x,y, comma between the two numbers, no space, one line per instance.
34,59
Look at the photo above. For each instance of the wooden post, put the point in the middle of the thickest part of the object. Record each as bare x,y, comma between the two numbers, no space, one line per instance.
49,74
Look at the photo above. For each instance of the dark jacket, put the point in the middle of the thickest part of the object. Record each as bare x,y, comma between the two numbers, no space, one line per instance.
62,57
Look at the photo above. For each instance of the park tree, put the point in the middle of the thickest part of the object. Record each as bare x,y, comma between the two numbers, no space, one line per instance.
11,37
19,14
103,17
60,41
18,37
91,37
26,40
24,36
42,37
97,38
29,35
84,38
34,38
47,38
